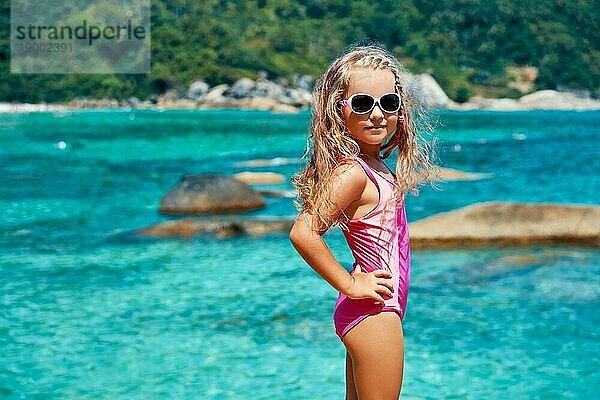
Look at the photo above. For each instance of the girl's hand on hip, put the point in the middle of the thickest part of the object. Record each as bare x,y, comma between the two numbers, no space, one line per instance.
371,285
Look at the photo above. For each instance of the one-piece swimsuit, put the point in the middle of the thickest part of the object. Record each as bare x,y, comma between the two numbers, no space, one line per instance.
377,240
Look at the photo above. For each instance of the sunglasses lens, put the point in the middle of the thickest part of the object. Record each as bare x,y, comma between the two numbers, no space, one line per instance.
390,102
362,103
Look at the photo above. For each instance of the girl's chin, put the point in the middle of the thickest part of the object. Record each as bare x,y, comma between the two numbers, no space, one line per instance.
372,141
372,137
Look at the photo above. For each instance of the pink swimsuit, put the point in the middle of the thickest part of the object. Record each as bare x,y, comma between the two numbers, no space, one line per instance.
378,240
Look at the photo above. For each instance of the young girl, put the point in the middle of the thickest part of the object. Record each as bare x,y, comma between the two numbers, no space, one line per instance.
360,102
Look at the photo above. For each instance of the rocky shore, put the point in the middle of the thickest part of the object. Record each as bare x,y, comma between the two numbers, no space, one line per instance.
286,97
540,100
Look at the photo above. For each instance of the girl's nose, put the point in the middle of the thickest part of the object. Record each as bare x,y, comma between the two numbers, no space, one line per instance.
376,113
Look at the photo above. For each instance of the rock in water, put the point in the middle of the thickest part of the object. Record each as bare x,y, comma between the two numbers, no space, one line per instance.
210,194
250,177
509,223
220,228
451,174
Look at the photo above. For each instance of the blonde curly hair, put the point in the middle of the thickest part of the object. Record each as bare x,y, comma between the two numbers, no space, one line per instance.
330,143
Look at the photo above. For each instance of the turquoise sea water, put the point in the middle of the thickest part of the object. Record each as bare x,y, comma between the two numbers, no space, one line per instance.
87,312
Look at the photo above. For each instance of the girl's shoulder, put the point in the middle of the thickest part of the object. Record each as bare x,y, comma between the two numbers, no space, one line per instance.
352,165
349,161
351,168
359,166
348,178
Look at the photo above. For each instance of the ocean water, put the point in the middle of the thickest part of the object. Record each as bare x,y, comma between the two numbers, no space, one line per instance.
89,312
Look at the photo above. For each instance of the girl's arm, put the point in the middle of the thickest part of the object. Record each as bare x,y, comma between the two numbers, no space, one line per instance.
348,184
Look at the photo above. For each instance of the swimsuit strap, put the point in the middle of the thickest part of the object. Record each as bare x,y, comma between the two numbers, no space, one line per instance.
389,169
372,172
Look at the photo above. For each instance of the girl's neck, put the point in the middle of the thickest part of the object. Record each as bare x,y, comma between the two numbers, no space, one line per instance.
370,150
376,156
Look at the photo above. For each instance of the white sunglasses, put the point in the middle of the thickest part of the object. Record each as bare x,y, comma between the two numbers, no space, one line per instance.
362,103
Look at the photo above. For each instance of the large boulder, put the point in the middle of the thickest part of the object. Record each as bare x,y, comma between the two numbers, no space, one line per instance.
268,89
216,94
509,223
302,82
432,92
198,89
209,194
297,97
246,90
242,88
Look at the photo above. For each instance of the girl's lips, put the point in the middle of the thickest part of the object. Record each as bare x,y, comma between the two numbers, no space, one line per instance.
375,127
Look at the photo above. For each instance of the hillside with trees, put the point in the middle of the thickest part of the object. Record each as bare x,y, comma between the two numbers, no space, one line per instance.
469,46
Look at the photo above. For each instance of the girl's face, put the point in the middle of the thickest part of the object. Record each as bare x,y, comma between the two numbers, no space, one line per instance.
374,127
